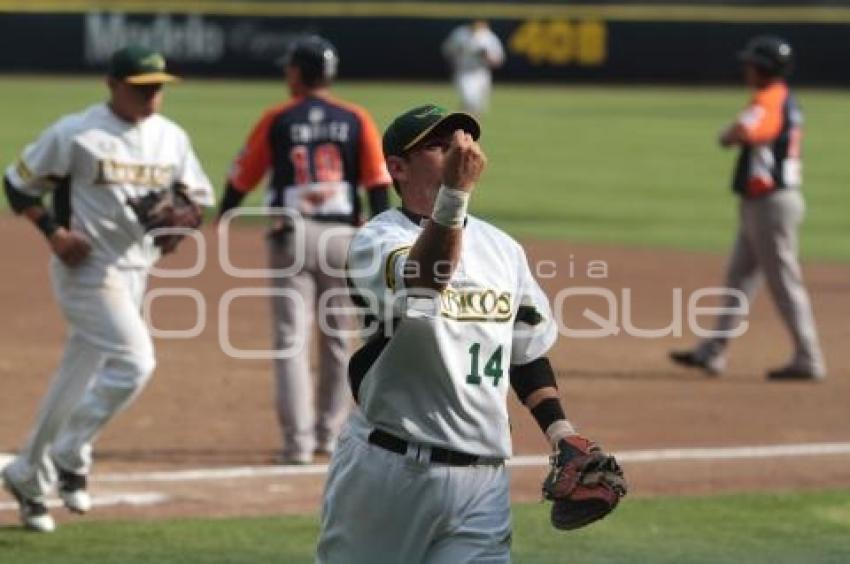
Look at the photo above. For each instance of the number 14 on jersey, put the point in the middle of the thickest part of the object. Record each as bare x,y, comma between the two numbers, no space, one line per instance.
492,368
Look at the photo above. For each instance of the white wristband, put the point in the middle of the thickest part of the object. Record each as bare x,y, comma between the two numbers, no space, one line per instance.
450,207
558,430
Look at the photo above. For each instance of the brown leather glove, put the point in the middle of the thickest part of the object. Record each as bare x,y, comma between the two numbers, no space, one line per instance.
584,483
167,208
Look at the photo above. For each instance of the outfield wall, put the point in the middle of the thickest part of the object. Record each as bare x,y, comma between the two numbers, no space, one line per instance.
625,43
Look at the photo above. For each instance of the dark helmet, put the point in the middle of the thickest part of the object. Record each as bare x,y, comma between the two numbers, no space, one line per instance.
772,55
316,58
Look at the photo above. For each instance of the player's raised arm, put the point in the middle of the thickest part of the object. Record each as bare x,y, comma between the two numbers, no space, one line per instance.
434,256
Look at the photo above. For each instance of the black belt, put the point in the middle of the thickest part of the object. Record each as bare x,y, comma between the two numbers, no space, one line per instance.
440,455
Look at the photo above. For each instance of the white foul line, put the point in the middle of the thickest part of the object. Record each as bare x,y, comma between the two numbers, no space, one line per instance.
525,461
629,456
706,454
214,474
134,499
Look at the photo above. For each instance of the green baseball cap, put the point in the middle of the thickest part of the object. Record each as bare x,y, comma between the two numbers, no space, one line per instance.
414,125
139,65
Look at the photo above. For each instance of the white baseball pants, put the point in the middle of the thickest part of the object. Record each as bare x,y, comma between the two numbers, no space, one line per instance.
107,360
474,90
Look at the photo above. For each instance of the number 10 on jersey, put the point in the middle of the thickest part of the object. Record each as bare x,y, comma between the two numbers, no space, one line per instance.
492,368
327,163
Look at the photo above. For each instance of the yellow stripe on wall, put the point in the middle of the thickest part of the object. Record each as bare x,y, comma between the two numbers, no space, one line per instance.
434,10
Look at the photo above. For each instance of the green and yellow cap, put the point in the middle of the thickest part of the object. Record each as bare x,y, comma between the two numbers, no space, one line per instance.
414,125
135,64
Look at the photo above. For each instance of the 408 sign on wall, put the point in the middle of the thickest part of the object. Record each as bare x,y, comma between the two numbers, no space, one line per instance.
561,42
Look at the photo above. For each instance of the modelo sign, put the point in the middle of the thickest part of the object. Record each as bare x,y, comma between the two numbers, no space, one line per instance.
191,38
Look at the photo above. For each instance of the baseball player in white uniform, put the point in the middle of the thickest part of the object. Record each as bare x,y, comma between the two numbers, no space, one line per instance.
473,51
92,162
457,319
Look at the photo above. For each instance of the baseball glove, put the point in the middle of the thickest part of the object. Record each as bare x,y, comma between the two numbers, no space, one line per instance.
584,483
167,208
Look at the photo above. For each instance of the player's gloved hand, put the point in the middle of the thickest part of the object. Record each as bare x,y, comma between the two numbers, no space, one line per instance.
171,208
584,483
464,162
71,247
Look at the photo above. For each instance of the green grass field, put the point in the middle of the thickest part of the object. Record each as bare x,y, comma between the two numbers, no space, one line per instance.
630,166
625,166
804,528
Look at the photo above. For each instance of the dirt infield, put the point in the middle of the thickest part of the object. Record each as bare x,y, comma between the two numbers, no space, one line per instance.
206,410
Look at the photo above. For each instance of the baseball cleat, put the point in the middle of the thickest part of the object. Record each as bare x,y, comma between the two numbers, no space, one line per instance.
34,515
73,492
711,365
795,374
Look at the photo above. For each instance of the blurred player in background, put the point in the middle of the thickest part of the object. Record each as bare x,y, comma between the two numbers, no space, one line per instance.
767,178
319,150
473,51
93,162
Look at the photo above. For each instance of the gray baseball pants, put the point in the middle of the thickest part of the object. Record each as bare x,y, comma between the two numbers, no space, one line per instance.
766,248
309,421
380,507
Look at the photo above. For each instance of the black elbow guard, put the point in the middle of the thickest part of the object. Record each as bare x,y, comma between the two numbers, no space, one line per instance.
19,201
528,378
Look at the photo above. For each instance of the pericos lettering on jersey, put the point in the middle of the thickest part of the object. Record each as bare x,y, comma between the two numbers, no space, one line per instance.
113,172
475,305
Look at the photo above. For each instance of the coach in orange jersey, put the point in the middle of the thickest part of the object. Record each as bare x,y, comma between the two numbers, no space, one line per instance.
768,179
318,152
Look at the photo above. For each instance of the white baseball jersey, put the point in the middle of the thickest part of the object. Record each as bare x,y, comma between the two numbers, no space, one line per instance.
442,378
466,48
108,160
